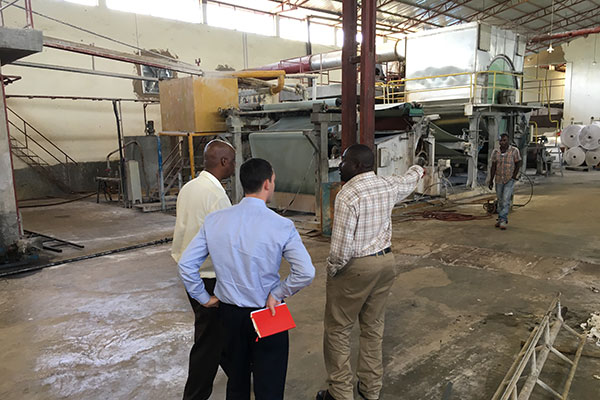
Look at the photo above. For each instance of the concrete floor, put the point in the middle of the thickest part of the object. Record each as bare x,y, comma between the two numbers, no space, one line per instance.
120,326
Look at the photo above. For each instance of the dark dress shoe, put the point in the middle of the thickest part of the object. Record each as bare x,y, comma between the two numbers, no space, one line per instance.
324,395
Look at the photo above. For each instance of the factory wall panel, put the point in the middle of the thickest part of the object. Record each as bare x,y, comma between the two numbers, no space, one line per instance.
582,83
86,130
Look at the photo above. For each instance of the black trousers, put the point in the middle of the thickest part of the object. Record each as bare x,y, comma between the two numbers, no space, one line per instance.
205,355
243,356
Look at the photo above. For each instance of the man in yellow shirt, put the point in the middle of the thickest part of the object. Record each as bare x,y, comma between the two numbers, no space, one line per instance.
198,198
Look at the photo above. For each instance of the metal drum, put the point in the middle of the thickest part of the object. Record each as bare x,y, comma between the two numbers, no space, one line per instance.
592,158
570,135
589,137
575,156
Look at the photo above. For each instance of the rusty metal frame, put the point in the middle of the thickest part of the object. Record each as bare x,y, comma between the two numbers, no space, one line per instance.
533,356
349,74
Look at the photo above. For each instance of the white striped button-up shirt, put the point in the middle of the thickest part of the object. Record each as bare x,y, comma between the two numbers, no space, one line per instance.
362,223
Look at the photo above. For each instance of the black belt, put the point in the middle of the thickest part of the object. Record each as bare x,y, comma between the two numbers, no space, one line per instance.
381,253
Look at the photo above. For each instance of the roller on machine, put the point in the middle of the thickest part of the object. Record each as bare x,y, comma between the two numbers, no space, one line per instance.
589,137
570,135
592,158
575,156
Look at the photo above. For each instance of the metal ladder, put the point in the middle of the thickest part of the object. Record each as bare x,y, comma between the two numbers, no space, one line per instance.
533,356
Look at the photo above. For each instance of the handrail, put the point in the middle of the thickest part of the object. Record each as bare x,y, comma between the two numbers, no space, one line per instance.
522,89
34,141
25,123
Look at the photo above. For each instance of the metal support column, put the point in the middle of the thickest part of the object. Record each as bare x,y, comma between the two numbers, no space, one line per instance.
493,124
367,74
349,75
473,150
9,214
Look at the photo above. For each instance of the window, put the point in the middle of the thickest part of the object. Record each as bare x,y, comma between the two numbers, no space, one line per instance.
293,29
181,10
322,34
239,19
151,87
84,2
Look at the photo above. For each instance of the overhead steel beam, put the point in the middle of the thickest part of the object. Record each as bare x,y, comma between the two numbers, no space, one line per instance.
95,51
404,17
83,71
367,74
496,9
542,12
349,75
563,23
441,9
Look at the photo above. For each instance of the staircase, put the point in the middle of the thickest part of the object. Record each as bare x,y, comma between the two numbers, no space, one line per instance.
39,152
173,166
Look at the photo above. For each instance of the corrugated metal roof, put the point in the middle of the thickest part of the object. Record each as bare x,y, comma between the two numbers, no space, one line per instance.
527,17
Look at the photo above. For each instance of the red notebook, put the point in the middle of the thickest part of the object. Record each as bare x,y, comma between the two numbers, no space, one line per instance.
266,324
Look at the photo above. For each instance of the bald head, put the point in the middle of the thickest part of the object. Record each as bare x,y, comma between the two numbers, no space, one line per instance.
219,159
357,159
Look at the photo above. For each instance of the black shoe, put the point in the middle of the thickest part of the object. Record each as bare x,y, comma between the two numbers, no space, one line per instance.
324,395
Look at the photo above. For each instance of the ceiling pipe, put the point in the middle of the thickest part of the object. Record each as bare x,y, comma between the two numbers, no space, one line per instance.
563,35
331,60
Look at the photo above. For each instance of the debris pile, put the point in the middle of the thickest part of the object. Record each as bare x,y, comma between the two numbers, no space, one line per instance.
592,326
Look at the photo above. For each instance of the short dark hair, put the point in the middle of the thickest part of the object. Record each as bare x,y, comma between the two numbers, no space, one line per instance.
361,154
504,134
253,173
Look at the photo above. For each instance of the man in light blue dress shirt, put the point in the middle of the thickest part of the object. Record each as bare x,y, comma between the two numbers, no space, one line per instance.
246,243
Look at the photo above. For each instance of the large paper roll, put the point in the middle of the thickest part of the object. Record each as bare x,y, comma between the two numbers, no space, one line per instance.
589,137
575,156
592,158
570,135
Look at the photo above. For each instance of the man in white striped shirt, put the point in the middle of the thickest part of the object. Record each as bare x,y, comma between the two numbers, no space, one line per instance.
361,270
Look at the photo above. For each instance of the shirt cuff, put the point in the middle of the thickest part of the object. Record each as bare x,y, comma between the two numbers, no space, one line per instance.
277,293
202,298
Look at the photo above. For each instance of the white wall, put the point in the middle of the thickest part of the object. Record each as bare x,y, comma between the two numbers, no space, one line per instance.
582,86
536,78
87,130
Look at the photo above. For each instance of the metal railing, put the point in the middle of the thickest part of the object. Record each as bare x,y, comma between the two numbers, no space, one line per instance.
483,87
26,7
41,142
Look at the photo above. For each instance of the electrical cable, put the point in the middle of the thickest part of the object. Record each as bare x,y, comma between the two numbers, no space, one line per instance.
530,194
59,203
102,36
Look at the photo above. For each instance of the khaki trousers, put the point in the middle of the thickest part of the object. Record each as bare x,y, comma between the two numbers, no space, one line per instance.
360,290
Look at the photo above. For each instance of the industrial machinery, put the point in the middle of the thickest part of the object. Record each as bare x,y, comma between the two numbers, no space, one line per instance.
455,91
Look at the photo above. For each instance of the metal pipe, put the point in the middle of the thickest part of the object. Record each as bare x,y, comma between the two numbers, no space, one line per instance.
271,74
121,159
562,35
161,176
349,75
367,74
50,97
82,71
303,105
191,154
81,48
330,60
